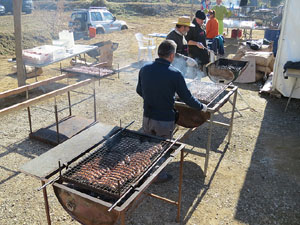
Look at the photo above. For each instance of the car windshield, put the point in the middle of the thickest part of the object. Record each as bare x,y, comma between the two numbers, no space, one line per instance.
96,16
108,16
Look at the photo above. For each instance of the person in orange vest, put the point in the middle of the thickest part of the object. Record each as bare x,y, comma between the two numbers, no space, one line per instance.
212,25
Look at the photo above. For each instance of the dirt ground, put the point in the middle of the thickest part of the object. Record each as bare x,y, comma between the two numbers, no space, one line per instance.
253,180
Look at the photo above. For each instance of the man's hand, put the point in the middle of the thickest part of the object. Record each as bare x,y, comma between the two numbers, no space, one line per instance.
191,62
204,109
200,45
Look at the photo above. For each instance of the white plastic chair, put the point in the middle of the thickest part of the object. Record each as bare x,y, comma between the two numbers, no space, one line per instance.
145,44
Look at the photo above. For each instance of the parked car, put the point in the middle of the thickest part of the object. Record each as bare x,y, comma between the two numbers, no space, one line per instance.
97,17
2,10
27,6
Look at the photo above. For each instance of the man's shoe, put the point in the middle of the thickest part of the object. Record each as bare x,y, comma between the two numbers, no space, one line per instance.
162,178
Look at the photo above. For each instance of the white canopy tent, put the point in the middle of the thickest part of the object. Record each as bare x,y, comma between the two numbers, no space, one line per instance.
288,49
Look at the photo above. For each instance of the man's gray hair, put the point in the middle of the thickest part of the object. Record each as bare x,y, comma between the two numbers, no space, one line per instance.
166,48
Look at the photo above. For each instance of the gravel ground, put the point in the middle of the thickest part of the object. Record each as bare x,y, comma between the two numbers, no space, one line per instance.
253,180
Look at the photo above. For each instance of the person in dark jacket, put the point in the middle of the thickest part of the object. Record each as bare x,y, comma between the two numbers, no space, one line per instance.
157,84
178,34
196,38
182,61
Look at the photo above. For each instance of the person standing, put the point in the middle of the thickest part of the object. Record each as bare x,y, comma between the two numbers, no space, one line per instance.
212,25
196,38
221,12
178,34
157,84
182,61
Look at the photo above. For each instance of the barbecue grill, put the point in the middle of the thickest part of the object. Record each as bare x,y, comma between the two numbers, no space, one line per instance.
101,183
89,70
117,165
208,93
225,70
215,96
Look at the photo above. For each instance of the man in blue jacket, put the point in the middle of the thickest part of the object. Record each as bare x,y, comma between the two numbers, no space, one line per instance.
158,82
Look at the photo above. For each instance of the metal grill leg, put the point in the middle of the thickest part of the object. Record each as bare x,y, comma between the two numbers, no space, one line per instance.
56,120
232,116
29,114
70,106
94,93
123,218
29,119
46,204
180,185
208,147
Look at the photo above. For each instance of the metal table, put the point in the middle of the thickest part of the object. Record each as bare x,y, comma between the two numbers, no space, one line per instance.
240,25
76,50
231,90
158,35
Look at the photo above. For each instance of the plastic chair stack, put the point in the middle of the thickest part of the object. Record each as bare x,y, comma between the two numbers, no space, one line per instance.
146,46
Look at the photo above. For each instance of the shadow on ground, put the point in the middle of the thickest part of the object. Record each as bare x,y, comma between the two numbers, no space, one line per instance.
271,191
28,148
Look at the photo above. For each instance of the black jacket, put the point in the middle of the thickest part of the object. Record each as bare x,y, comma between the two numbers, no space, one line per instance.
158,82
199,35
182,47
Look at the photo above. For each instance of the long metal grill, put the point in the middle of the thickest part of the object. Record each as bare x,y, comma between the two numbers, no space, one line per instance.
206,92
118,164
89,70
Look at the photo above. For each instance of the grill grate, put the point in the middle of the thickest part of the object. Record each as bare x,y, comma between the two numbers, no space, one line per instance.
205,92
89,70
120,162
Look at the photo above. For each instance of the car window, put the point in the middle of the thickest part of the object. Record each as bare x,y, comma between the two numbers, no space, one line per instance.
81,16
108,16
96,16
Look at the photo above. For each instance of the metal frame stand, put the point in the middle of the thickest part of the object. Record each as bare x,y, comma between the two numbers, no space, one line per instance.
56,111
211,123
46,204
176,203
122,217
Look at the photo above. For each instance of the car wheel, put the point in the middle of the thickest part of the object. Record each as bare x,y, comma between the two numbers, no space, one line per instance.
124,27
99,31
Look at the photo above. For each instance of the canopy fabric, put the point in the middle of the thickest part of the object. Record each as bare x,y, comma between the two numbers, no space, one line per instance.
288,49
